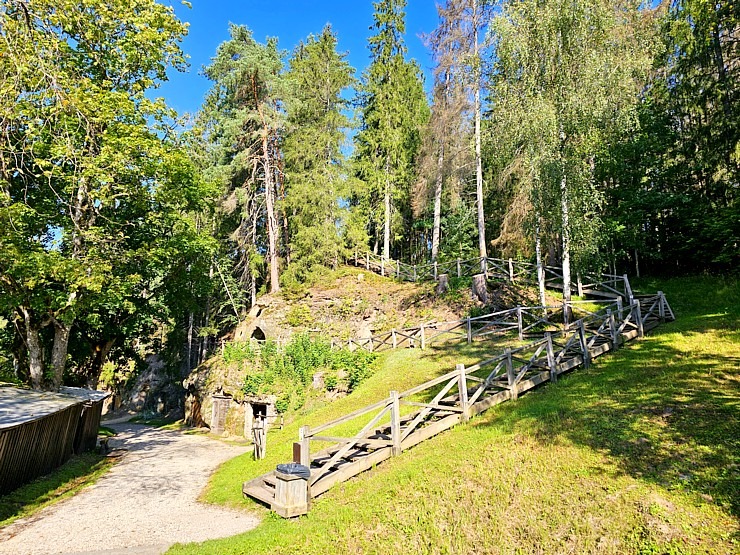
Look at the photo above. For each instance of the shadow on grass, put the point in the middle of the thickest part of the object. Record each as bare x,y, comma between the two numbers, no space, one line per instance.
79,471
666,408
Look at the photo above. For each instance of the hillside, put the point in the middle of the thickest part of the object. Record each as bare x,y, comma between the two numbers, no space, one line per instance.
349,302
638,454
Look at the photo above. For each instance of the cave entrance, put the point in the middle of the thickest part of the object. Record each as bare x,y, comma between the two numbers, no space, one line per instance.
259,410
258,334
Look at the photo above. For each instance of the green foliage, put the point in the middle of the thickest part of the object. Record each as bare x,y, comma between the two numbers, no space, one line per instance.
288,371
239,352
94,191
299,315
394,110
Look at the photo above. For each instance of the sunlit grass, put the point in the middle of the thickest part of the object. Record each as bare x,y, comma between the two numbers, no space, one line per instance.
638,454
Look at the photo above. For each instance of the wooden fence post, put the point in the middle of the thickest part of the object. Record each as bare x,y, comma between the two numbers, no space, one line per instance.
414,272
585,353
579,285
511,270
423,338
470,331
661,306
510,377
640,328
627,288
398,270
462,387
435,270
305,439
459,274
382,266
395,424
367,260
355,257
613,329
551,358
620,309
519,323
395,340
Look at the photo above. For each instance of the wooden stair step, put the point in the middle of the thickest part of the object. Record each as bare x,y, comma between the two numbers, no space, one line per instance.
259,492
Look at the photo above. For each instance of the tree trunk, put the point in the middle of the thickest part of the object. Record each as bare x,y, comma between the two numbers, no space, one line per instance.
437,205
35,353
443,284
566,238
480,288
387,223
59,352
271,221
478,158
540,265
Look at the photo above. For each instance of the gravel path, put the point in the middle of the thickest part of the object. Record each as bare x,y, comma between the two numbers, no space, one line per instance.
145,503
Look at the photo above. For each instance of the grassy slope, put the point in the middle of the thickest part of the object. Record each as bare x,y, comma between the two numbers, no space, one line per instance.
77,473
639,454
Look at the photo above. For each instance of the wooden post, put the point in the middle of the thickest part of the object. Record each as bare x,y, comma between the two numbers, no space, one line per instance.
551,358
395,424
435,270
459,274
511,270
393,335
613,329
382,266
305,440
367,260
414,272
580,285
510,377
470,331
640,328
585,353
355,257
398,270
620,309
661,306
628,289
519,323
423,338
462,387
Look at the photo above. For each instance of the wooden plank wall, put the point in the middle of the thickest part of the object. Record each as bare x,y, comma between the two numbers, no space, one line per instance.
35,448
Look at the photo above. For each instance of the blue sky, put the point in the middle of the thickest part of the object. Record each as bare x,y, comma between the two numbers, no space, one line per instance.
290,21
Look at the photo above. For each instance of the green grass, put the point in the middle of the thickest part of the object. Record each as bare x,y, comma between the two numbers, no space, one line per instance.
639,454
80,471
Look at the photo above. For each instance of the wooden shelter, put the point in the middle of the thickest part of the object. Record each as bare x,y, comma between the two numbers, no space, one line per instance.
40,430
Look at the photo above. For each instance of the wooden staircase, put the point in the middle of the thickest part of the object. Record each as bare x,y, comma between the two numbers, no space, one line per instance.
444,402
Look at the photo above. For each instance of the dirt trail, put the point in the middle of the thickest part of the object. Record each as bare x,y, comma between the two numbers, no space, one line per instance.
146,503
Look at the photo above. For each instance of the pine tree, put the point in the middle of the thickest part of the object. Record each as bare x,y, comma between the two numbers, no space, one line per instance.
315,172
393,110
244,117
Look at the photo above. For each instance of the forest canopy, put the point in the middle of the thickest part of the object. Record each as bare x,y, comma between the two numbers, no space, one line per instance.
595,134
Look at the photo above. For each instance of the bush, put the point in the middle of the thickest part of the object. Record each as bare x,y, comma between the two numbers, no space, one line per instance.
288,372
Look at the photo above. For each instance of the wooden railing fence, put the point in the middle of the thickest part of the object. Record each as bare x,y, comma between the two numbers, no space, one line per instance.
385,429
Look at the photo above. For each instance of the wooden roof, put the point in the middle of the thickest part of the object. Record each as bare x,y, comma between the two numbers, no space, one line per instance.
18,406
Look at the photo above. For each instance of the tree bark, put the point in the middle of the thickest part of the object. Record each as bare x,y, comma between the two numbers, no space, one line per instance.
540,265
271,221
59,352
478,158
35,353
437,205
480,288
387,223
566,240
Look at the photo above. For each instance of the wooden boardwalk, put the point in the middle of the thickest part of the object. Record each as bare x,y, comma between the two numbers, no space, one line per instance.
340,449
